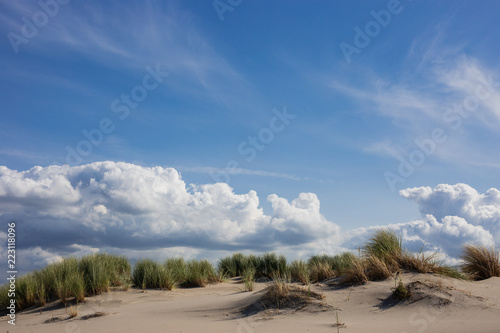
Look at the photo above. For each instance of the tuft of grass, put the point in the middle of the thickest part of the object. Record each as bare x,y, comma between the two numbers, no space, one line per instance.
340,262
320,271
401,292
198,273
385,245
73,310
248,277
271,265
356,274
235,265
147,274
480,262
299,271
281,294
376,268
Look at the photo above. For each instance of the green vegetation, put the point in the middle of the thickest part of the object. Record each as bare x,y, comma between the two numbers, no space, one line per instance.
401,292
71,278
248,278
383,256
480,262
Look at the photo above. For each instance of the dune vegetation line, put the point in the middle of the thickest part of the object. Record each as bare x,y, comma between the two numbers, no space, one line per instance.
380,258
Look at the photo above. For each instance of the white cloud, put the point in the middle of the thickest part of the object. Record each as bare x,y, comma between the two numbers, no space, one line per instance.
150,211
459,200
121,205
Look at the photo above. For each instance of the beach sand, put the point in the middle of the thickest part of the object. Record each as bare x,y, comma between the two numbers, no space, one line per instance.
439,305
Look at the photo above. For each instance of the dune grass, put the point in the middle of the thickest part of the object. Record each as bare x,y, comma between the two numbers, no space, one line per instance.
265,265
480,262
71,278
174,272
381,257
248,278
300,272
281,294
199,273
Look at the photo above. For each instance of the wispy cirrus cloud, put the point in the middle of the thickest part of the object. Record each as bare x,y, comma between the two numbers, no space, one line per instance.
241,171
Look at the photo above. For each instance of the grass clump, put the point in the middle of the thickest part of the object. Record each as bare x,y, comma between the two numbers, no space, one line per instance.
401,292
281,294
271,265
248,278
300,271
151,274
235,265
385,245
480,262
73,310
71,278
356,273
199,273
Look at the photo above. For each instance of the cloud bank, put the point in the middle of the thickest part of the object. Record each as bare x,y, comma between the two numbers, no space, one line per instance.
61,209
151,212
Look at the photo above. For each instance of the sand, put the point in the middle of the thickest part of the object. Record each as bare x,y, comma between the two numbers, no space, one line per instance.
438,305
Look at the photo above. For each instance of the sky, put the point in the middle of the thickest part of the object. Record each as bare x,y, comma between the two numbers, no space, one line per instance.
200,128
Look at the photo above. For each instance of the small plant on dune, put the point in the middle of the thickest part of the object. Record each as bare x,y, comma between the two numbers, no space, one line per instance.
73,310
248,278
401,292
338,324
281,294
480,262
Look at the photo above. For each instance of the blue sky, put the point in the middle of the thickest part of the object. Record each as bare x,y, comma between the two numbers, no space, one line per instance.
353,116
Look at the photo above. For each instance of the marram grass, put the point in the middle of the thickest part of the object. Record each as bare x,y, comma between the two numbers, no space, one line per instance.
382,257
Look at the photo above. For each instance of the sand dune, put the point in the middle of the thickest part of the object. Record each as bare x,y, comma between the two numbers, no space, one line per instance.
438,305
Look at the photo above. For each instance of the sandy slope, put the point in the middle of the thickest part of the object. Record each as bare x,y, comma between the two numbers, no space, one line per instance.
446,305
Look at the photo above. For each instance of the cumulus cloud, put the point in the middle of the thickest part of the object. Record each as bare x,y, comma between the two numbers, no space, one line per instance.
429,235
459,200
126,207
151,212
